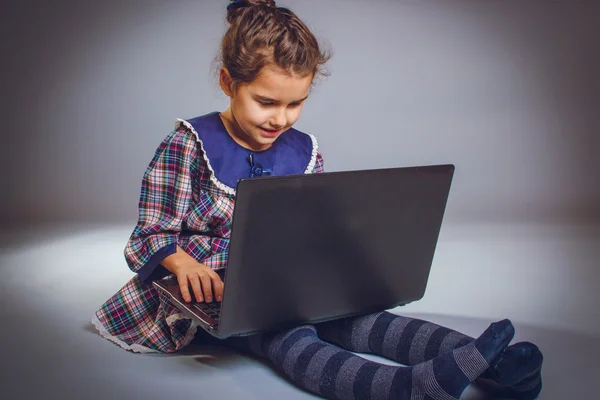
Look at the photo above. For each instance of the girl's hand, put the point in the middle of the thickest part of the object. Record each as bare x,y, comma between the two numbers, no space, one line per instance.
206,284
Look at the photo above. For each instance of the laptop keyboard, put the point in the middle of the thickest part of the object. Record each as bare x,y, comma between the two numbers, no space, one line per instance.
212,309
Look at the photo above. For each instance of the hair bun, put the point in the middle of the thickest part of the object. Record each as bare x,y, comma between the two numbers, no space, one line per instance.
235,4
268,3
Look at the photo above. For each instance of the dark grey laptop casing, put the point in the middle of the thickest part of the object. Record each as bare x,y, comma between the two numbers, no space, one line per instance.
310,248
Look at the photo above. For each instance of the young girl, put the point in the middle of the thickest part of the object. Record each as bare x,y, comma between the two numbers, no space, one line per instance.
269,61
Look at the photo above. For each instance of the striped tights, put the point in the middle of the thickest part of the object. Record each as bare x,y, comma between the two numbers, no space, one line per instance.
440,362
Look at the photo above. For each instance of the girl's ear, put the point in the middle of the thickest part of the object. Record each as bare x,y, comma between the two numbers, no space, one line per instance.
226,82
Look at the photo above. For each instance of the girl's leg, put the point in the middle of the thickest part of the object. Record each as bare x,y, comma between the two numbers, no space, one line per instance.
412,341
334,373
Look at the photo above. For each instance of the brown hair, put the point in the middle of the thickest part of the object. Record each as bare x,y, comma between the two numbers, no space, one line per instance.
261,34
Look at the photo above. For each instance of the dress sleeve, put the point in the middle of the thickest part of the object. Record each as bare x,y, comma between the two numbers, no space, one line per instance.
165,198
319,166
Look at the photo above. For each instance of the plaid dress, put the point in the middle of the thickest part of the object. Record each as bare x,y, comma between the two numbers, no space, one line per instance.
187,200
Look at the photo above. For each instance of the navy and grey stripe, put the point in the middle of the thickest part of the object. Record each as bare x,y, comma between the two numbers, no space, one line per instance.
405,340
335,373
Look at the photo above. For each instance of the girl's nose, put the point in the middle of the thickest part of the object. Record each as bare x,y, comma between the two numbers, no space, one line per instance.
279,119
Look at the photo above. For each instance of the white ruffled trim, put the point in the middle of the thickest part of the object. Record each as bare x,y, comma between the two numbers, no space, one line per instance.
136,348
313,157
172,319
227,189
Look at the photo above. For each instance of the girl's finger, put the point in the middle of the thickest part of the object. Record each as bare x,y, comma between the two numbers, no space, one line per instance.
206,287
217,287
184,288
195,283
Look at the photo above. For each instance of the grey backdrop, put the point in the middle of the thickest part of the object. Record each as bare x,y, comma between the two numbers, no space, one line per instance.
507,91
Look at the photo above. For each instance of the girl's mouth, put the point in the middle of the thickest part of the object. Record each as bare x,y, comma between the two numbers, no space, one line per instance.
270,133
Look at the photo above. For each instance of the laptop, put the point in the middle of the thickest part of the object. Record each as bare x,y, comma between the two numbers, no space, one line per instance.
316,247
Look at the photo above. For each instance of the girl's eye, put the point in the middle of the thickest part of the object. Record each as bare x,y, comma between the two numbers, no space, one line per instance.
265,103
295,105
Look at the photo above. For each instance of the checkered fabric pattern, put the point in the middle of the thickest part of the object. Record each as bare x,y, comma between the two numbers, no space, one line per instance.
179,204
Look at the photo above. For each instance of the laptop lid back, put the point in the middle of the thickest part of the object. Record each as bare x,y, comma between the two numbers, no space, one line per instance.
309,248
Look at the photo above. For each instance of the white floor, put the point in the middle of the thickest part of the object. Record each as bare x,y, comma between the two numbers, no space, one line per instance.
544,278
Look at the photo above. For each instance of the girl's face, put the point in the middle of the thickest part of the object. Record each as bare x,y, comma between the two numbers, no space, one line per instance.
264,109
